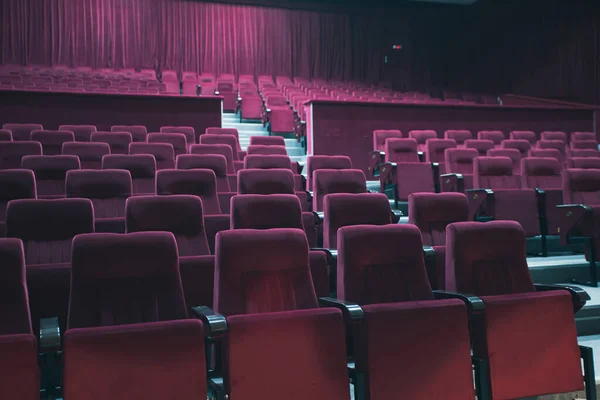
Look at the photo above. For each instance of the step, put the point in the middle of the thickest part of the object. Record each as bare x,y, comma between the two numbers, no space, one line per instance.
244,127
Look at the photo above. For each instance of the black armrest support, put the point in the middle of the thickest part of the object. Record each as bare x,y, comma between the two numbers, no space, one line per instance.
578,295
331,254
396,215
474,304
452,183
351,311
216,323
481,204
429,257
49,335
575,221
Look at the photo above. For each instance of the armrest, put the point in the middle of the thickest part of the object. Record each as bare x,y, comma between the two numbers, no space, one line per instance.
452,183
376,158
421,156
396,215
578,295
351,311
216,323
478,202
387,173
474,304
319,217
49,335
430,259
331,253
575,220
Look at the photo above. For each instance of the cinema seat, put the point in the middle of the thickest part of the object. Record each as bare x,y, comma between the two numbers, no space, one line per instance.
314,163
328,181
554,135
529,136
215,162
582,136
380,136
108,190
584,153
163,153
421,137
177,140
250,106
584,162
12,153
142,168
583,145
267,141
223,149
227,139
546,153
138,133
514,155
458,161
188,131
90,154
435,151
519,144
197,182
15,184
22,132
390,283
183,216
82,133
459,136
495,136
118,141
50,172
5,135
270,181
482,146
489,261
554,144
52,141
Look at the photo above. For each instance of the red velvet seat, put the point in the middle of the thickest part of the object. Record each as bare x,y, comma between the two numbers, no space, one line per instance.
281,116
22,132
15,184
138,133
251,106
82,133
435,151
52,141
142,168
327,181
118,141
47,228
381,135
460,161
584,162
108,190
582,136
226,139
390,283
223,149
183,216
163,153
270,181
421,137
149,360
546,153
267,161
12,153
176,140
432,213
520,144
267,140
50,172
542,357
5,135
266,150
495,136
583,145
482,146
401,150
188,131
584,153
215,162
554,144
529,136
90,154
554,135
513,154
459,136
197,182
314,163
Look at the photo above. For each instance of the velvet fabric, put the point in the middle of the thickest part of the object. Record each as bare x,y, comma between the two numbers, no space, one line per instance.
582,136
381,135
581,186
324,162
138,132
583,144
140,361
14,301
421,137
414,178
495,136
373,268
5,135
459,136
529,136
267,140
584,153
298,354
266,150
225,131
522,145
554,135
227,139
494,173
208,149
383,338
547,153
177,140
327,181
433,212
215,162
260,271
163,153
15,184
554,144
90,154
197,182
11,153
342,209
188,131
50,173
82,133
482,146
460,161
22,132
584,162
125,279
52,141
142,168
19,371
266,181
267,161
251,106
435,150
256,211
513,154
118,141
398,150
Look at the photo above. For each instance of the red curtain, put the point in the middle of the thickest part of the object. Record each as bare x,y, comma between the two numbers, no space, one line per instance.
190,36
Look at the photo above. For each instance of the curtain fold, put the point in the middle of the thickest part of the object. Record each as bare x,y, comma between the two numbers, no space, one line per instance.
188,35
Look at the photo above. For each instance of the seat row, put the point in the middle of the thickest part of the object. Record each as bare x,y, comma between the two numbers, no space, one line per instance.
128,317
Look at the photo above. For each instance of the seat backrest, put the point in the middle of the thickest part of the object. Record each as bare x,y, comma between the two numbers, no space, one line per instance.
547,153
163,153
342,209
90,154
266,150
267,141
520,144
314,163
436,148
459,136
583,136
553,144
257,211
82,133
11,153
401,150
541,172
584,144
494,173
98,354
513,154
15,184
50,172
140,166
460,160
98,184
119,279
52,141
266,181
188,131
229,140
421,136
372,268
328,181
279,364
380,136
267,161
258,271
487,258
5,135
581,186
222,149
584,162
529,136
118,141
177,140
433,212
138,132
495,136
482,146
554,135
196,182
182,215
22,132
584,153
47,227
14,301
215,162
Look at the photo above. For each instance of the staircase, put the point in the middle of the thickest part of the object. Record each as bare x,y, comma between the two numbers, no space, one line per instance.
248,129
